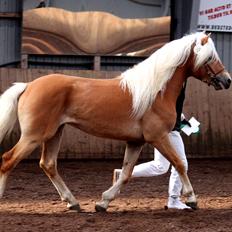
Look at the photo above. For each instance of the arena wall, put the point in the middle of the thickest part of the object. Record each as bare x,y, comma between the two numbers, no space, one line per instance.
212,108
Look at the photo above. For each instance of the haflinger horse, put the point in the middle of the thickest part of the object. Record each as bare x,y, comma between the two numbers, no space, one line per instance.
139,106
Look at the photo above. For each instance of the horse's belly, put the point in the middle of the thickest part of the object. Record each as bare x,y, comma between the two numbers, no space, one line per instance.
113,130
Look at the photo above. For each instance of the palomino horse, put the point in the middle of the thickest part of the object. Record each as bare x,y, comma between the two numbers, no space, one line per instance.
140,108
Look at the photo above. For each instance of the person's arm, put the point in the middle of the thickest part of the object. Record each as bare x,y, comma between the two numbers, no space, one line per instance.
179,108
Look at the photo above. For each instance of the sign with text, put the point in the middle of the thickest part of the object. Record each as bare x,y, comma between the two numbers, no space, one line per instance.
215,15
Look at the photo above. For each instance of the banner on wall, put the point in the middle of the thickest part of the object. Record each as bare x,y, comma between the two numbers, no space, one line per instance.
215,15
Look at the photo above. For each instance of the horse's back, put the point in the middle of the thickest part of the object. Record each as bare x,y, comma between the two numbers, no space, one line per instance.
98,107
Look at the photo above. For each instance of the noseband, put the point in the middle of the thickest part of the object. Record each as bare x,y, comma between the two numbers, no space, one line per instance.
213,69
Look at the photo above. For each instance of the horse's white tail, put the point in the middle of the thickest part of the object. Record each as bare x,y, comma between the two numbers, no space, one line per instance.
8,108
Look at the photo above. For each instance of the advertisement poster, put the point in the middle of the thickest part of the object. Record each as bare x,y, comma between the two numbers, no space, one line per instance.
215,15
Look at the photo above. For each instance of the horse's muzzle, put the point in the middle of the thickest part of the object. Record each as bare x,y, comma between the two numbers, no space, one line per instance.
221,81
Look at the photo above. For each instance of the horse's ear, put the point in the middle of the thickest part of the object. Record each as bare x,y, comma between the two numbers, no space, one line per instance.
204,40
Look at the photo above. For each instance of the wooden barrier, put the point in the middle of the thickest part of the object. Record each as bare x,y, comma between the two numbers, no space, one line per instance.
75,144
212,108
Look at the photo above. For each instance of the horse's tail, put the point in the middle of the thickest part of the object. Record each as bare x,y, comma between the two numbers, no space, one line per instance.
8,108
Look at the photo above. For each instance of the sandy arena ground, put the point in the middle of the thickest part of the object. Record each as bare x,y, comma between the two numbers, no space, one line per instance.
31,203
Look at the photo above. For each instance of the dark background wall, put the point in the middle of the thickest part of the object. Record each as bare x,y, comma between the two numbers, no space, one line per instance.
10,32
121,8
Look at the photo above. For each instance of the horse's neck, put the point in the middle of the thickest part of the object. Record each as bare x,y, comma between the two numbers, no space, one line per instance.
175,84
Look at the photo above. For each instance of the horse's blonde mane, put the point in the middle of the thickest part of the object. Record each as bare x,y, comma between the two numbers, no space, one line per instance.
146,79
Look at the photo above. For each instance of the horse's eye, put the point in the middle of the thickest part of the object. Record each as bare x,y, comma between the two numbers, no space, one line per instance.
209,59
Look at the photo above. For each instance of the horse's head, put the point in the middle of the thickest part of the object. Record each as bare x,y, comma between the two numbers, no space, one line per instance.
207,64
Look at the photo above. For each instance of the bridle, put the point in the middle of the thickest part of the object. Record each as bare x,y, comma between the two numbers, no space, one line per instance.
213,68
216,73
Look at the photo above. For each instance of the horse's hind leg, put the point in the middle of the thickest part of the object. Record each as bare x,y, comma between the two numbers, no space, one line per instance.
11,158
132,152
48,163
165,148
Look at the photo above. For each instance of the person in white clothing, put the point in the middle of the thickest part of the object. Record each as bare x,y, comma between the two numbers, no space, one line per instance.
160,165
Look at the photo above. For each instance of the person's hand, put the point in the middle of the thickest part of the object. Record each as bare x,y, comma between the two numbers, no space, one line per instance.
185,122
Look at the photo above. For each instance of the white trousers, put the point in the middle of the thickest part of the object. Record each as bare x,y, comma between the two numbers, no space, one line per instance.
160,165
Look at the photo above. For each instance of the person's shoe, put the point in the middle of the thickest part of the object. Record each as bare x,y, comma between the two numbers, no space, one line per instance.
116,175
176,203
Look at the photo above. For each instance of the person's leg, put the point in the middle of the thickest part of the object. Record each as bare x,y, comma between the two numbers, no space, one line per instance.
158,166
175,185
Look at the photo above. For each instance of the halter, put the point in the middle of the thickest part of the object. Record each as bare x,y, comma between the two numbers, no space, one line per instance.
213,69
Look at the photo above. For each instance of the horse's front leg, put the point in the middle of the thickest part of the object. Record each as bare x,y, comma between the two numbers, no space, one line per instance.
165,148
132,152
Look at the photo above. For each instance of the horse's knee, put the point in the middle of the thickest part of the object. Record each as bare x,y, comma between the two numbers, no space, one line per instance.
49,168
180,168
125,180
7,162
6,156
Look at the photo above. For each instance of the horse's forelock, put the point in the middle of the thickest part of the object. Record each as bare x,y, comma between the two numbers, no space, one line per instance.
204,52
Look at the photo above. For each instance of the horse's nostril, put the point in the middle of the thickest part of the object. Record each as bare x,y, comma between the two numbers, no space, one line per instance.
229,81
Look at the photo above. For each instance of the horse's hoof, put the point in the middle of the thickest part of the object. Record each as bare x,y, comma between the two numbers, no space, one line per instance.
99,208
193,205
75,207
